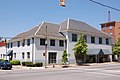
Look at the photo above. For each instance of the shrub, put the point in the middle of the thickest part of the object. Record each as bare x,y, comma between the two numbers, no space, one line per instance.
2,60
29,64
23,63
38,64
15,62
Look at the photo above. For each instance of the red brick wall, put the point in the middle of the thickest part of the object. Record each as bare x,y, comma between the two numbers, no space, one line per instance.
2,44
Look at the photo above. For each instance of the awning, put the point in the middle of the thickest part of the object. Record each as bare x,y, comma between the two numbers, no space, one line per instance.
93,51
99,52
107,52
9,53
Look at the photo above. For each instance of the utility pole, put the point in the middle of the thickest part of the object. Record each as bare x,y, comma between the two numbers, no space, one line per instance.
109,16
46,47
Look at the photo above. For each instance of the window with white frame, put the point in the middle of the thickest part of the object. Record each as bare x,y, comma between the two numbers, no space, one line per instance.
14,55
42,41
74,37
85,37
107,41
23,42
1,56
7,45
100,40
23,55
92,39
110,34
104,28
28,42
18,43
61,43
110,27
52,42
11,45
28,55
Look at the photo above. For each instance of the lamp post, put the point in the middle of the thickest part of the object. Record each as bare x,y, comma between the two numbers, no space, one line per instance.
5,41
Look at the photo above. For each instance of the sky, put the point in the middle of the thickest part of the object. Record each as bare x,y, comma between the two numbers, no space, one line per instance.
17,16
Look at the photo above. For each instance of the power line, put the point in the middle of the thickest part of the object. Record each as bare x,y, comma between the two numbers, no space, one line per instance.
105,5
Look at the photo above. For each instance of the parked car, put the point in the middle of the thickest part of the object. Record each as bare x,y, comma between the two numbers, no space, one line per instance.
5,65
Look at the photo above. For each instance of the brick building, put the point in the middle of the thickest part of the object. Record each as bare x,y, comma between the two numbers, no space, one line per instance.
112,28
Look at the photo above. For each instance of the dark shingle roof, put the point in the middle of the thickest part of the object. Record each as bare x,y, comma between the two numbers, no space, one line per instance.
25,34
79,26
52,32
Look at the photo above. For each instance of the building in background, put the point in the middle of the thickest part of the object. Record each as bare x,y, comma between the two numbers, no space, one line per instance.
2,49
31,45
112,28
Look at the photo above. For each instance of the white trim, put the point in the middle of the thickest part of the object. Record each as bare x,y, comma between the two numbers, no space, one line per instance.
68,22
39,27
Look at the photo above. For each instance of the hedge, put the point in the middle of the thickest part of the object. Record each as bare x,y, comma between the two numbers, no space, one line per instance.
30,64
15,62
2,60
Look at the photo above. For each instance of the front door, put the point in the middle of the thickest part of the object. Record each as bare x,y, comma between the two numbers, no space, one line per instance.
52,57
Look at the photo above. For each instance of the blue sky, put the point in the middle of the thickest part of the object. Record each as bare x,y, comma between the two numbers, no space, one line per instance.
17,16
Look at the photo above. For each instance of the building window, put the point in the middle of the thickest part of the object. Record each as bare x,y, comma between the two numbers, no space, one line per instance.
11,45
28,42
28,55
107,41
74,37
85,37
110,34
23,42
92,39
18,43
42,41
23,55
14,55
32,40
52,42
110,27
104,28
100,40
61,43
1,56
8,45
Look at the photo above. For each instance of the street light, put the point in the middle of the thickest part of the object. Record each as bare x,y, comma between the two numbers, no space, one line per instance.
65,47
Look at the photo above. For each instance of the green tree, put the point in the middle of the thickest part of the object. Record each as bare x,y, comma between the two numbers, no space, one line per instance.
64,57
116,49
80,49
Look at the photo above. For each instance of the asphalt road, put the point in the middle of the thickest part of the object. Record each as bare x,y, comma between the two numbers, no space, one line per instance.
96,72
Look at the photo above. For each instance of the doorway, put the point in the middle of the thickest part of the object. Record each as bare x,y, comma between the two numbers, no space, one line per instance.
52,57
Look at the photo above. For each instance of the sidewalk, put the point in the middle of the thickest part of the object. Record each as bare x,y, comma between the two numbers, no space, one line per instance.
60,66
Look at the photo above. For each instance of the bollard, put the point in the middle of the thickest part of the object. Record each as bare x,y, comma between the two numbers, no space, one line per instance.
53,65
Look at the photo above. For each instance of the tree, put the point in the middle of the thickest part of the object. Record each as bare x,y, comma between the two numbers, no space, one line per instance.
80,49
64,57
116,49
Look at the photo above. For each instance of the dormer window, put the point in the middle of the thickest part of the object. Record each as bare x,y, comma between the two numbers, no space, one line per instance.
104,28
110,34
110,27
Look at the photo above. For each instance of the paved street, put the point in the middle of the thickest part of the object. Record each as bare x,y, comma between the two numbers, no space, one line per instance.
110,71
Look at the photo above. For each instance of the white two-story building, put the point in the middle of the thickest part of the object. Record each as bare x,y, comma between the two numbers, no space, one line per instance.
30,45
